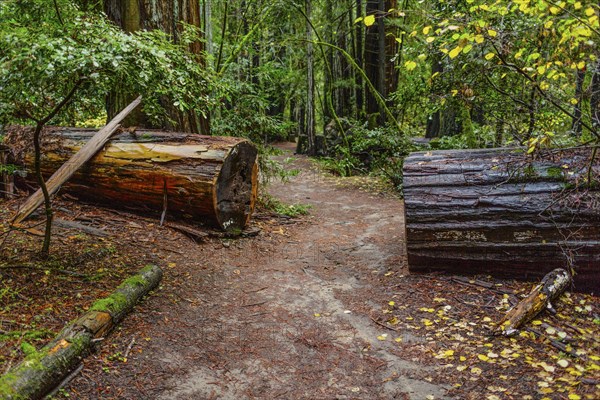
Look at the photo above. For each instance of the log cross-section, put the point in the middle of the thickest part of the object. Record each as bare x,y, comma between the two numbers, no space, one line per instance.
500,212
205,179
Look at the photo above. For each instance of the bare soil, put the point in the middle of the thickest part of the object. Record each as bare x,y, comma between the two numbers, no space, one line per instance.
321,307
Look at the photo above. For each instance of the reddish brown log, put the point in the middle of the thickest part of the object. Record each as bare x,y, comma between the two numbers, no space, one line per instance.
497,211
211,180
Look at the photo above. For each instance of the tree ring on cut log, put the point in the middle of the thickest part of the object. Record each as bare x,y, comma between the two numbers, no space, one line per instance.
236,187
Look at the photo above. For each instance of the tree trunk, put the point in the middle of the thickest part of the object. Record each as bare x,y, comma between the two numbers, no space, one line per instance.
595,98
498,212
212,180
359,55
379,51
310,87
6,177
134,15
576,122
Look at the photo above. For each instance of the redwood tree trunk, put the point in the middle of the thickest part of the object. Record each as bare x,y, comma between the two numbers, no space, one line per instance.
168,16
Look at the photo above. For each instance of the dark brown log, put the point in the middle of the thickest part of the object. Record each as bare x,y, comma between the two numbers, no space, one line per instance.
540,298
211,180
500,212
40,372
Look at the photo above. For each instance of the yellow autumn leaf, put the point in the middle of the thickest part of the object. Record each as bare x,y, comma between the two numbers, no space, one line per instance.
426,30
554,10
467,49
426,322
536,322
317,315
398,340
483,357
449,353
369,20
574,396
382,337
392,303
589,11
455,52
548,24
479,38
410,65
489,56
476,371
492,33
430,39
463,358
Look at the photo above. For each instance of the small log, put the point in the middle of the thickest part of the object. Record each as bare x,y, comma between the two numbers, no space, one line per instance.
205,179
500,212
65,171
39,373
539,299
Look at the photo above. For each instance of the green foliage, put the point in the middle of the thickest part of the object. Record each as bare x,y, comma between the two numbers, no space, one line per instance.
43,59
380,151
290,210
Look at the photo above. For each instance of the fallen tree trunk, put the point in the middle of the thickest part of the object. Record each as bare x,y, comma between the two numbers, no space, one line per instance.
65,171
212,180
40,372
497,211
540,298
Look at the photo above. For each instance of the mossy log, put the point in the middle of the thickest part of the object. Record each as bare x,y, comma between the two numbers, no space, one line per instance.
539,299
211,180
40,372
501,212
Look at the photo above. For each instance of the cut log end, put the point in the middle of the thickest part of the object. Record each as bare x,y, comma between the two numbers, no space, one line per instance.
235,190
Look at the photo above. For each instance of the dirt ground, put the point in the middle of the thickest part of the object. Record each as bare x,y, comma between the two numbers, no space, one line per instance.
323,307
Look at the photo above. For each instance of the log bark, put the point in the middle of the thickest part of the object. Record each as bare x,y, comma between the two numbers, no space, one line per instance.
540,298
499,212
210,180
66,171
40,372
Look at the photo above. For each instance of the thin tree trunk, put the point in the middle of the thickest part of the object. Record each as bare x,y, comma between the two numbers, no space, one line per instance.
576,127
359,54
310,95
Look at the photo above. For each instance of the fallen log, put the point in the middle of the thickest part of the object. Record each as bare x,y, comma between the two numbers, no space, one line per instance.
66,171
500,212
41,371
210,180
539,299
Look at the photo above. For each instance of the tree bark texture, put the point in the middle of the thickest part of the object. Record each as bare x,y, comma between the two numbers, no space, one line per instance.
40,372
168,16
379,51
6,178
211,180
497,211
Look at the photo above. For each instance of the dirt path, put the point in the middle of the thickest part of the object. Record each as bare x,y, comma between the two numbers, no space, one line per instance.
282,315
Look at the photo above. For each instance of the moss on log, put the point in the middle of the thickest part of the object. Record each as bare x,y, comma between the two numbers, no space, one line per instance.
40,372
501,212
207,179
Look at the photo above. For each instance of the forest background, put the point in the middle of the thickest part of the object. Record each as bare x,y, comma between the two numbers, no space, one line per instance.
354,81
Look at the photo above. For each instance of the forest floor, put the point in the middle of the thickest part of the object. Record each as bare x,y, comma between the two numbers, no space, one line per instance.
318,307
